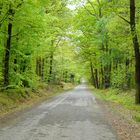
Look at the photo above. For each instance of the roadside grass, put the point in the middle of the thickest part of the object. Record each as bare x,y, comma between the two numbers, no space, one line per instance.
12,100
125,98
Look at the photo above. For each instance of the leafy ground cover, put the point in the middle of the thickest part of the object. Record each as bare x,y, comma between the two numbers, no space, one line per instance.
13,100
121,98
121,111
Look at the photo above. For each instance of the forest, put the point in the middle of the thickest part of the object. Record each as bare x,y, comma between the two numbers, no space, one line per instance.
45,41
34,43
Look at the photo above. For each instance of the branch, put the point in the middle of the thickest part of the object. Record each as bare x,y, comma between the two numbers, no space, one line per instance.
124,19
3,19
16,34
7,13
20,4
92,5
57,43
4,32
93,8
89,12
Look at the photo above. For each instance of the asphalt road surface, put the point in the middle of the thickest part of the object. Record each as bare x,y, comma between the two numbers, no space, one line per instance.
74,115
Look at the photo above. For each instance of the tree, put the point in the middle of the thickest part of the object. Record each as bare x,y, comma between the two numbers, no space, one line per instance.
10,13
136,47
105,43
30,36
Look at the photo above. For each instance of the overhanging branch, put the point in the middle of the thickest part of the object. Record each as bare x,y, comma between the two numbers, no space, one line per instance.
124,19
89,11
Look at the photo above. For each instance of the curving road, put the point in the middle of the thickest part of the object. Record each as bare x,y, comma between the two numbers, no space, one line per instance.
74,115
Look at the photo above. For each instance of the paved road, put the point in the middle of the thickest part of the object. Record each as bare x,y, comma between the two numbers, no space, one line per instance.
74,115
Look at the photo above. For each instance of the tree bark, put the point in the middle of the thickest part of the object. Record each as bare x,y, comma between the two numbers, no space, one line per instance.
39,66
42,68
7,55
51,68
136,48
127,63
92,75
102,75
107,68
96,78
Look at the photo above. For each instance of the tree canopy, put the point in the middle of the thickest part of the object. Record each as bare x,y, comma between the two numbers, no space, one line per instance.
63,41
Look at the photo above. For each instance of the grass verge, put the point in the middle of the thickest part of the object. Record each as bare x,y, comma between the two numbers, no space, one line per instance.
124,99
14,100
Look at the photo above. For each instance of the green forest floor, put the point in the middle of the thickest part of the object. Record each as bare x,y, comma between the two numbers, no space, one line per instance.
14,100
121,111
124,99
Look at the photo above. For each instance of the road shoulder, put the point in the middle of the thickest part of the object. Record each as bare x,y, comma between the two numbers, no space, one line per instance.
120,119
37,97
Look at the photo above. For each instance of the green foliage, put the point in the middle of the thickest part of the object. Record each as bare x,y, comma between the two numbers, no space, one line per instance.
137,117
103,39
118,77
52,44
40,31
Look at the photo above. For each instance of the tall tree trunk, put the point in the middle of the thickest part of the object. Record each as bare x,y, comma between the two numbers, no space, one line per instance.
15,63
39,66
96,78
42,68
37,63
92,74
102,75
107,68
7,55
65,76
107,77
51,68
136,48
127,63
